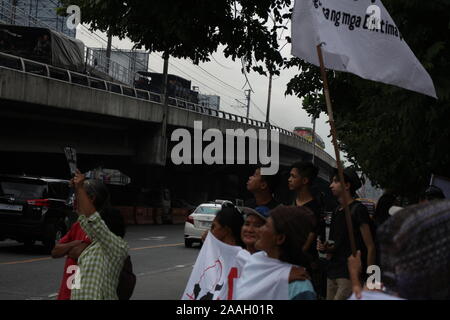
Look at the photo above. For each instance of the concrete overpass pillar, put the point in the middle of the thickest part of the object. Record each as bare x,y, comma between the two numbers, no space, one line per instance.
151,148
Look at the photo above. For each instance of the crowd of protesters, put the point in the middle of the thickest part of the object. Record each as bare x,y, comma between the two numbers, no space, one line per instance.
410,246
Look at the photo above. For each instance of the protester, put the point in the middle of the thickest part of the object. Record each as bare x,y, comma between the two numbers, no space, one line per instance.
338,247
227,225
262,187
266,274
415,253
301,179
254,219
432,193
385,203
73,243
101,263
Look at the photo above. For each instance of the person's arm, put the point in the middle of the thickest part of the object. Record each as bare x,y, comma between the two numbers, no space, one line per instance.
62,249
76,252
354,269
298,274
309,242
369,243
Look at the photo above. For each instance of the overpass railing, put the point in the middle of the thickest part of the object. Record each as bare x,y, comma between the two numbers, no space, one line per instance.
40,69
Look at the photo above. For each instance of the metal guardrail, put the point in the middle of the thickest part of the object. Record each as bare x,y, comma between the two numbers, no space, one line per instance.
40,69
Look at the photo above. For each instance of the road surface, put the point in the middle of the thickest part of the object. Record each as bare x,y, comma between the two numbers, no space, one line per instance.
161,263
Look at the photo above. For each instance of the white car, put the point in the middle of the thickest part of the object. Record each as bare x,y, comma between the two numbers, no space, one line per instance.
200,221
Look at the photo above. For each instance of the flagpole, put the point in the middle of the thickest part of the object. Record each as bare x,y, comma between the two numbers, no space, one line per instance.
336,150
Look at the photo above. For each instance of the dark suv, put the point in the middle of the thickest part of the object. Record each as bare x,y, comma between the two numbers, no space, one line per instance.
33,209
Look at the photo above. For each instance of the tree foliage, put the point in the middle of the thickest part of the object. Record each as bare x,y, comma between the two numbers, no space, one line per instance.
397,137
195,29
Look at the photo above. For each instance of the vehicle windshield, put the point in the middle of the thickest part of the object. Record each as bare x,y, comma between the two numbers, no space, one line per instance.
207,210
22,191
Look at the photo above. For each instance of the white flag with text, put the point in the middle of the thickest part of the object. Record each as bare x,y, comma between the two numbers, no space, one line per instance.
359,37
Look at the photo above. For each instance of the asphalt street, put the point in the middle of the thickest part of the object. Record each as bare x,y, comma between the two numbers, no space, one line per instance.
160,261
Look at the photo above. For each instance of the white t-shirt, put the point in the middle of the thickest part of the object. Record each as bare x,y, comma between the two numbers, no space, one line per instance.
263,278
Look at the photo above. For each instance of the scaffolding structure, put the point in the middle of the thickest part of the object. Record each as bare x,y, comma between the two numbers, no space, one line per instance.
34,13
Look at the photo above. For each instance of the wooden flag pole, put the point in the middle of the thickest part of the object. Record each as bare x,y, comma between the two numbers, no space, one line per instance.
347,197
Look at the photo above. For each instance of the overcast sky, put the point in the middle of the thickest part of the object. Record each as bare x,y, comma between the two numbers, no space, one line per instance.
286,111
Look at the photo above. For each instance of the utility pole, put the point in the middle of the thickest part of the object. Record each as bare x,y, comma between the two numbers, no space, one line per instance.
165,91
269,101
162,154
108,51
314,120
249,96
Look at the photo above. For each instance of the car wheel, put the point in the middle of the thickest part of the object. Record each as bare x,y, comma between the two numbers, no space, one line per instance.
53,233
188,243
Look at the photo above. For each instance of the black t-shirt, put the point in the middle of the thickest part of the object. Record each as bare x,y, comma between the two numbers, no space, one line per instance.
337,266
319,223
272,204
316,208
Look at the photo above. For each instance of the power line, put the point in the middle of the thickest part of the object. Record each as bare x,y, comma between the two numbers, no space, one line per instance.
221,64
219,79
202,83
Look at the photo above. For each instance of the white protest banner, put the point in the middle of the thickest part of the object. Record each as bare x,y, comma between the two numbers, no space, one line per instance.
360,37
263,278
214,272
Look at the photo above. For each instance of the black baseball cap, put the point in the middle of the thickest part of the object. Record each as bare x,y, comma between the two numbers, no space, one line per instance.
351,176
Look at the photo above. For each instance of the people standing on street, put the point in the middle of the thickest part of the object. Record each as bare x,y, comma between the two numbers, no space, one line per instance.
301,179
338,249
262,187
101,263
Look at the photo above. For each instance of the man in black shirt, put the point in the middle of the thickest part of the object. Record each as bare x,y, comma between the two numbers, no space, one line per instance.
338,248
302,177
262,187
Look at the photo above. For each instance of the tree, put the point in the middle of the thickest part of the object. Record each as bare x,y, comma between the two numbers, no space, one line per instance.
195,29
397,137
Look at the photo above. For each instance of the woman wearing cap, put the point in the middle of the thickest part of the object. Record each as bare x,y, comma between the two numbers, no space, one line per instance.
266,274
255,219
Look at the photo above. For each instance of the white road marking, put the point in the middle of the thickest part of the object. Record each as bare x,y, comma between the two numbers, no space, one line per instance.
161,238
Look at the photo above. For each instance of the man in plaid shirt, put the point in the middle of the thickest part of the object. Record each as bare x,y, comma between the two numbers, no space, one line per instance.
101,263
